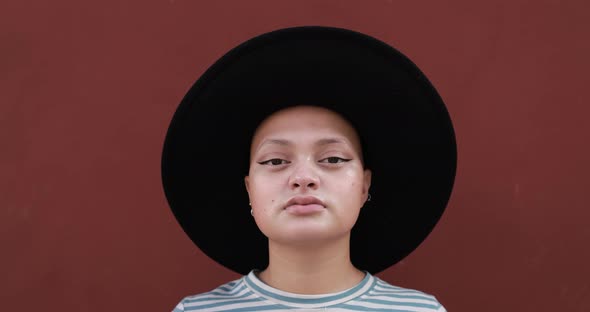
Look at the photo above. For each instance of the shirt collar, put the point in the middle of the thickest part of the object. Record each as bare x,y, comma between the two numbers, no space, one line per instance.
307,301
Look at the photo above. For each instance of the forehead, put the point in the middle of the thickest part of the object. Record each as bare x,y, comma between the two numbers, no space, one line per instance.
304,121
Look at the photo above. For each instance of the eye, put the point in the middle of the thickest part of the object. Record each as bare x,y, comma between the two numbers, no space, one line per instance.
334,160
274,162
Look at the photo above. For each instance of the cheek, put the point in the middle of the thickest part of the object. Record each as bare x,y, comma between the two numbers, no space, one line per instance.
351,172
262,194
354,177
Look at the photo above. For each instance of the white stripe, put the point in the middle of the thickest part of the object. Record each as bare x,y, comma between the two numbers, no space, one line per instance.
179,306
238,305
392,288
391,299
210,296
220,291
400,292
218,299
400,297
217,292
233,292
389,306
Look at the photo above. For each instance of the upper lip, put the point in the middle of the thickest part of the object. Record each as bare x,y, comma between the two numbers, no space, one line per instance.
304,200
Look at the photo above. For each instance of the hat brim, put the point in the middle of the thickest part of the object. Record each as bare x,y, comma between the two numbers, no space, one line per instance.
405,129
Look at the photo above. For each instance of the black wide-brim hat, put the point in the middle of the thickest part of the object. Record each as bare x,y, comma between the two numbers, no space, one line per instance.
406,135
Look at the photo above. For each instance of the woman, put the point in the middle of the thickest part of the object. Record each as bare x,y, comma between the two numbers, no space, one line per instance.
328,117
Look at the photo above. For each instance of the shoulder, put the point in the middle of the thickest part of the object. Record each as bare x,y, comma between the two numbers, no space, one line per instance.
385,295
228,293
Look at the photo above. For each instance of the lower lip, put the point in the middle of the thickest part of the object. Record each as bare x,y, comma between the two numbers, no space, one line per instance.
302,210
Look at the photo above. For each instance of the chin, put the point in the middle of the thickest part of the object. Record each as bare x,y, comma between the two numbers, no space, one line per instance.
308,235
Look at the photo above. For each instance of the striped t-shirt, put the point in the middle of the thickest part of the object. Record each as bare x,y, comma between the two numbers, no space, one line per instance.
250,294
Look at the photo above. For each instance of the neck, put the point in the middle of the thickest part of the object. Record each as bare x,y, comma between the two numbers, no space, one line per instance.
311,269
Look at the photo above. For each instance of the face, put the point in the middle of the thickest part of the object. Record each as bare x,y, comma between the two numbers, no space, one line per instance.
306,181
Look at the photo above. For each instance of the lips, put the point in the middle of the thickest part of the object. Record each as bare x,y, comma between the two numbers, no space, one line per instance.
304,205
304,200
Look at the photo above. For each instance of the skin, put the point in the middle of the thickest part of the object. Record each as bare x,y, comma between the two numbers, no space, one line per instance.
307,153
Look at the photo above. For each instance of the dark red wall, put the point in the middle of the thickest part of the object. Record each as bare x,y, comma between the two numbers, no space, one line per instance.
87,89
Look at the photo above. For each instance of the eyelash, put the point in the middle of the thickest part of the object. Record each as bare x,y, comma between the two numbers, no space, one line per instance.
338,160
273,161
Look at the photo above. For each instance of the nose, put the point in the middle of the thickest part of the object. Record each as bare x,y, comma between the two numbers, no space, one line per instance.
304,177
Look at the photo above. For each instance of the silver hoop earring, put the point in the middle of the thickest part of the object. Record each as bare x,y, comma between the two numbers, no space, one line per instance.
252,212
369,198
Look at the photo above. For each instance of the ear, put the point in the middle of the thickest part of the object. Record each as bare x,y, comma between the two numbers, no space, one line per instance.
247,183
366,183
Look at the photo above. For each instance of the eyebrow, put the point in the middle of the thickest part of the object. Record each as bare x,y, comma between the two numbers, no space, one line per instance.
321,142
276,141
328,141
